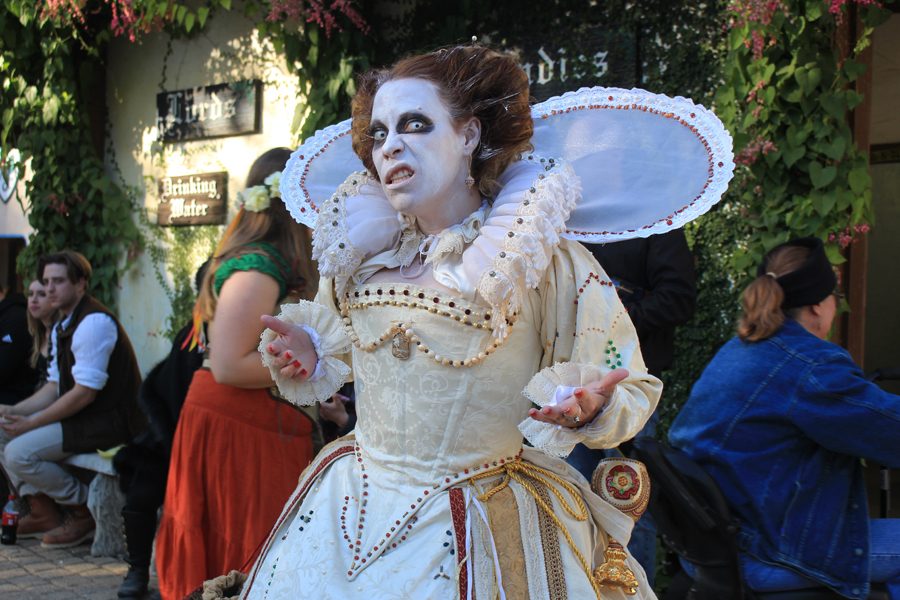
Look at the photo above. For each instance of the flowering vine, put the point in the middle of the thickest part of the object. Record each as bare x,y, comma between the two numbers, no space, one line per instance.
786,98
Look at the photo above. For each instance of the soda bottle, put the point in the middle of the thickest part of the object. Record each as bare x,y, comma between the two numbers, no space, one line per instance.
10,521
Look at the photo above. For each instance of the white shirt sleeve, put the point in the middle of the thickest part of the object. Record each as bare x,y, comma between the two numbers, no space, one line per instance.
92,345
53,369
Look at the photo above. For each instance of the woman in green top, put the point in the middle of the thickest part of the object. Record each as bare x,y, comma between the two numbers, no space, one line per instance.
234,438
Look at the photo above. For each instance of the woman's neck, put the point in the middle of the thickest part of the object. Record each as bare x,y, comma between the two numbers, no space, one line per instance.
449,212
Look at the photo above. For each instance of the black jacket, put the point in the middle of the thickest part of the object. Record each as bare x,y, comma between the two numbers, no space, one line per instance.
17,378
656,282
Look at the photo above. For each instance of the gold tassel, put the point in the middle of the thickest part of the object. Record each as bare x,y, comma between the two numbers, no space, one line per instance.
614,572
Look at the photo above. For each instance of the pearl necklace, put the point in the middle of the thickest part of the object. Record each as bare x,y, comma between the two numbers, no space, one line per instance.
402,334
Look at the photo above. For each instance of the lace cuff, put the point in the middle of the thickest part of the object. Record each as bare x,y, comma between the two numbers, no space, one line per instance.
329,340
549,387
317,346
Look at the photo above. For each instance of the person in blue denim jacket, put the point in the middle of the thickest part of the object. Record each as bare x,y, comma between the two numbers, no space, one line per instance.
780,419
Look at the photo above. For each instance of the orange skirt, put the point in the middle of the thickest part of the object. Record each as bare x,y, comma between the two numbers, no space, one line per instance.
236,458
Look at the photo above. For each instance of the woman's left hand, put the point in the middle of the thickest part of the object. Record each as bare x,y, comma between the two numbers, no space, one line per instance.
584,405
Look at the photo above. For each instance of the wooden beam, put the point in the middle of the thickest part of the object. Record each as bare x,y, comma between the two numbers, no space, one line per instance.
857,270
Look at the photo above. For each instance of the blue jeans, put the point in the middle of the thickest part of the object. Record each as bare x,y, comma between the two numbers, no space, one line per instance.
643,539
884,564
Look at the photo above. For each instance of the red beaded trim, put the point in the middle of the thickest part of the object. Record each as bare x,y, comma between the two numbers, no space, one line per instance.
592,277
306,193
668,115
306,481
458,514
390,539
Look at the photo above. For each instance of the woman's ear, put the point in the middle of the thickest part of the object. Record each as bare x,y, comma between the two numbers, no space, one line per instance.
471,131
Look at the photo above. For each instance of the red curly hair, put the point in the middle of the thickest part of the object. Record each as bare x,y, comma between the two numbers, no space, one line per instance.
473,81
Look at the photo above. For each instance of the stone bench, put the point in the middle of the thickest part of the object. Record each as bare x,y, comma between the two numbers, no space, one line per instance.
105,501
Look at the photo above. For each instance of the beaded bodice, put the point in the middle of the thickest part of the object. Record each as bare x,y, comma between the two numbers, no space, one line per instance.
465,402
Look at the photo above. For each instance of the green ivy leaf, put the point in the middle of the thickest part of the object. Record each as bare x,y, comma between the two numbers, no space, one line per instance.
823,202
202,13
853,69
813,10
50,110
821,176
791,154
853,99
189,22
834,105
834,149
834,254
859,179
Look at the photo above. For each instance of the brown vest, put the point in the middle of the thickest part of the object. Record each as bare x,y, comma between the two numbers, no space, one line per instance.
113,417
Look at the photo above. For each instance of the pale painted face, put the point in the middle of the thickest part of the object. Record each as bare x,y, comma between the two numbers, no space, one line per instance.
38,304
420,154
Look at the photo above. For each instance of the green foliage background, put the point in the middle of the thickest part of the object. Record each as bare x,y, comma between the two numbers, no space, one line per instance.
785,101
50,76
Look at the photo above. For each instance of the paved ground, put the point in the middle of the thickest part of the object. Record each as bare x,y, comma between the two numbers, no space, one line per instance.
29,572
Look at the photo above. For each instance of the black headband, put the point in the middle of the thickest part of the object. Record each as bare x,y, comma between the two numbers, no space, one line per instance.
811,282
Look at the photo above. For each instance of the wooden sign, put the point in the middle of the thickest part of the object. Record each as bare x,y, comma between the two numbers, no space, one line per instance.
199,199
223,109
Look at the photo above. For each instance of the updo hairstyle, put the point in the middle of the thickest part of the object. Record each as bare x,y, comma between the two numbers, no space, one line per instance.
473,81
762,301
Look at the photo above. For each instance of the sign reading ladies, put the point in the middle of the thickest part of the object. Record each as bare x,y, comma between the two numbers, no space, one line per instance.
209,111
193,199
560,61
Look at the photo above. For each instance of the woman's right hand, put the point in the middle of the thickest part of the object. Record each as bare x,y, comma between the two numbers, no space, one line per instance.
293,351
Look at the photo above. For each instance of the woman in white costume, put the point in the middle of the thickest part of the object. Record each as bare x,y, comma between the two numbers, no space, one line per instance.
448,287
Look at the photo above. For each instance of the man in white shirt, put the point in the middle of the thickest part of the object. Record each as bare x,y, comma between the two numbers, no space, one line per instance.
88,404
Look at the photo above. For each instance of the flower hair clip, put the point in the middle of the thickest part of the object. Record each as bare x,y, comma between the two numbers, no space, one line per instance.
259,197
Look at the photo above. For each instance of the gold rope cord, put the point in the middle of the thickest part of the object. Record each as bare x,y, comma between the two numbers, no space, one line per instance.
524,473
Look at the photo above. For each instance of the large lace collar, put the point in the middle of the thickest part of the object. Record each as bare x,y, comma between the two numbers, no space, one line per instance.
497,253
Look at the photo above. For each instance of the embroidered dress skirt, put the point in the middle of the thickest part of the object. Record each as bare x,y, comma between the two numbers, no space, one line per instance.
236,458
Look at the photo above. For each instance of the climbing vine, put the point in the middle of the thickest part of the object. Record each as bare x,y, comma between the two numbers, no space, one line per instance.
52,67
786,98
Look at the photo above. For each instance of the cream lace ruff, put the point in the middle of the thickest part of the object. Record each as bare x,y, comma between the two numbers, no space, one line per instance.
358,233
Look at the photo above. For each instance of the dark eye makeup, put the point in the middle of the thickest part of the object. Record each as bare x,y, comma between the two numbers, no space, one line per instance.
410,122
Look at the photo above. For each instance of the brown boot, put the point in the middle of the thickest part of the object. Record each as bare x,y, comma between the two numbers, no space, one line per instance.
78,526
43,515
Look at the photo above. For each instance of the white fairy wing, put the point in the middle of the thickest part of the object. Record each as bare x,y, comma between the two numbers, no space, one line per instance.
316,169
648,163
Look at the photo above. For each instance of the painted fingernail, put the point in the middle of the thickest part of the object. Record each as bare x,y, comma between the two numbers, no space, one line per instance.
303,372
579,393
271,349
296,363
288,355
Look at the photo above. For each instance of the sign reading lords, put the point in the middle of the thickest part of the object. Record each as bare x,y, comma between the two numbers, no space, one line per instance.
193,199
209,111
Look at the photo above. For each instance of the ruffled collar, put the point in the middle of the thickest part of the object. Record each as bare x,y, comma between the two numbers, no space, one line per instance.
497,253
435,248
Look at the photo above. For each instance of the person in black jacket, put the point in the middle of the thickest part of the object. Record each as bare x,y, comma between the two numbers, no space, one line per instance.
143,465
656,282
17,377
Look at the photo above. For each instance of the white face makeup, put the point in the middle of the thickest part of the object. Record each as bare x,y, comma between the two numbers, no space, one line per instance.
420,155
